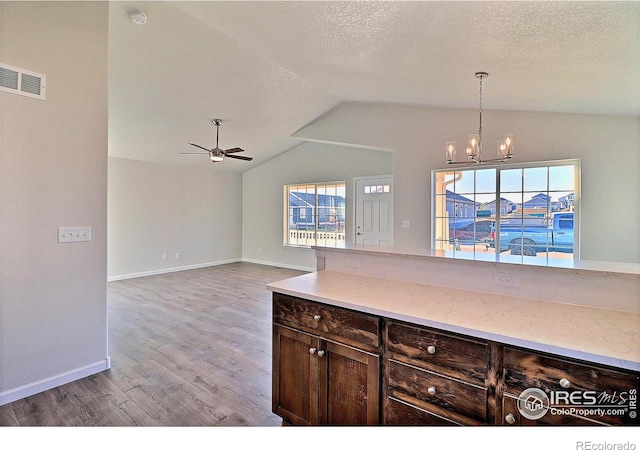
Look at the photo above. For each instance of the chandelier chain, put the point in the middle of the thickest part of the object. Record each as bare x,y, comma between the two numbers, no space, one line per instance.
480,124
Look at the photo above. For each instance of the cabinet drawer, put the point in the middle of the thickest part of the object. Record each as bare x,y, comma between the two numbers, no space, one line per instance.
450,355
400,413
331,322
458,402
565,381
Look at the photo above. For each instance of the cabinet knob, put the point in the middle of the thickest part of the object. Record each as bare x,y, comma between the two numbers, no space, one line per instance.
312,350
320,353
510,419
431,349
432,390
565,383
317,317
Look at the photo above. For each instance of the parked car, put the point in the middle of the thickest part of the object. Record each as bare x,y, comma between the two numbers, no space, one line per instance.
537,235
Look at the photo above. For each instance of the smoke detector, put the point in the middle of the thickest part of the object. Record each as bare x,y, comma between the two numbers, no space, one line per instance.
138,17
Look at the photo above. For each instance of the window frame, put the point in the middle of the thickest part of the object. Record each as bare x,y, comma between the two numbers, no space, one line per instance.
499,168
318,234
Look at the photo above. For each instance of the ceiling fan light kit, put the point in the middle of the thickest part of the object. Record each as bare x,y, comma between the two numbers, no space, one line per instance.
217,154
474,145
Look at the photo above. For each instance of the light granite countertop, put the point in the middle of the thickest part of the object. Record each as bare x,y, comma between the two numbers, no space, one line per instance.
597,335
489,258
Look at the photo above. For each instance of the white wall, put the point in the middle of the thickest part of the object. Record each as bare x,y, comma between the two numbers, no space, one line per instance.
156,209
53,172
262,195
608,147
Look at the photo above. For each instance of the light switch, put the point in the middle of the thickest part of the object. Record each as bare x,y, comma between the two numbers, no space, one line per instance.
74,234
406,224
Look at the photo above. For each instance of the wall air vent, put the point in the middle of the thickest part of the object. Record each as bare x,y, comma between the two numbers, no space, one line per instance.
22,82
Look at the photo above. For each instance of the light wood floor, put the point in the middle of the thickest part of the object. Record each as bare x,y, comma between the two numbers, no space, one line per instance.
189,348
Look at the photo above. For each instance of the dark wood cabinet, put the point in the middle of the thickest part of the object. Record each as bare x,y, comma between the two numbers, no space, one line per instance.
339,366
444,376
570,385
326,364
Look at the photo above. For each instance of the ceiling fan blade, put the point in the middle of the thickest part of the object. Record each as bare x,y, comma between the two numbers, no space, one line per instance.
194,153
200,146
244,158
233,150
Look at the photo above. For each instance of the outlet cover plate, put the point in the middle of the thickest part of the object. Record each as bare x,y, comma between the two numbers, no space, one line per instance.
506,279
74,234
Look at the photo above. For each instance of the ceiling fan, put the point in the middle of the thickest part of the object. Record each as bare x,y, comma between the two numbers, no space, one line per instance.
216,154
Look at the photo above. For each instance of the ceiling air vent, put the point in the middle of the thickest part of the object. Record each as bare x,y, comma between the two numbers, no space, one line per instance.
22,82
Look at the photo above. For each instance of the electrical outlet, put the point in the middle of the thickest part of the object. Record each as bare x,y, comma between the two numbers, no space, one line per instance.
164,256
506,279
74,234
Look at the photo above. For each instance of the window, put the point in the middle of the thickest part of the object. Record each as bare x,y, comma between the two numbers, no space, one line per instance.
525,210
315,214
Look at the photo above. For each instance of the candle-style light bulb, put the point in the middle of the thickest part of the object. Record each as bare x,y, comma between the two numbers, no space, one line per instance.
502,149
472,149
509,143
450,149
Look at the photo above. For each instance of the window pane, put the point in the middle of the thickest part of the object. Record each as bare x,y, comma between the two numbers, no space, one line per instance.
486,180
464,182
535,179
561,178
510,180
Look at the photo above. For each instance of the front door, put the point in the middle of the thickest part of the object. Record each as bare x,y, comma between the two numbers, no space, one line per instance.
374,211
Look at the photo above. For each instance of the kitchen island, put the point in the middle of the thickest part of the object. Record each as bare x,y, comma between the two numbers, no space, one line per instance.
442,354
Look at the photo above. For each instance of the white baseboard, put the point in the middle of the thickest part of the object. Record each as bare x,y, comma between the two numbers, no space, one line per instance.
170,270
52,382
275,264
209,264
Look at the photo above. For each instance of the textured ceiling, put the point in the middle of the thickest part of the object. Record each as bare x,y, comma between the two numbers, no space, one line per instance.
269,68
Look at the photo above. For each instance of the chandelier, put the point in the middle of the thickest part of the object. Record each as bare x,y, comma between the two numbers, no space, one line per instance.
474,147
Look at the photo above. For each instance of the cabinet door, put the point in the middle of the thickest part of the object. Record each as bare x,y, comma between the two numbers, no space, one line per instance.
350,386
295,376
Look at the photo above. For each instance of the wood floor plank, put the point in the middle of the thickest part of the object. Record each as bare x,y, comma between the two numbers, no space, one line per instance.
190,348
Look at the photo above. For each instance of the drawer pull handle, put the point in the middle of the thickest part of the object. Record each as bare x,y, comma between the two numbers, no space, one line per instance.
510,419
565,383
312,350
432,390
317,317
320,353
431,349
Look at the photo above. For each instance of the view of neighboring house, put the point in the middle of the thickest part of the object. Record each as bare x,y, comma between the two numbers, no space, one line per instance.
506,206
566,202
542,203
303,214
539,204
460,206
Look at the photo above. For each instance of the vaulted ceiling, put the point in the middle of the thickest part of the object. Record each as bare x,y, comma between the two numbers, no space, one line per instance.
269,68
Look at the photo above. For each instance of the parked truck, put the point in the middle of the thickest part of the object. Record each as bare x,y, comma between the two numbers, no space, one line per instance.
531,235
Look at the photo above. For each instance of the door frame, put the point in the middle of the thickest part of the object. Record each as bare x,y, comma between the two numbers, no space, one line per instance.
354,209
